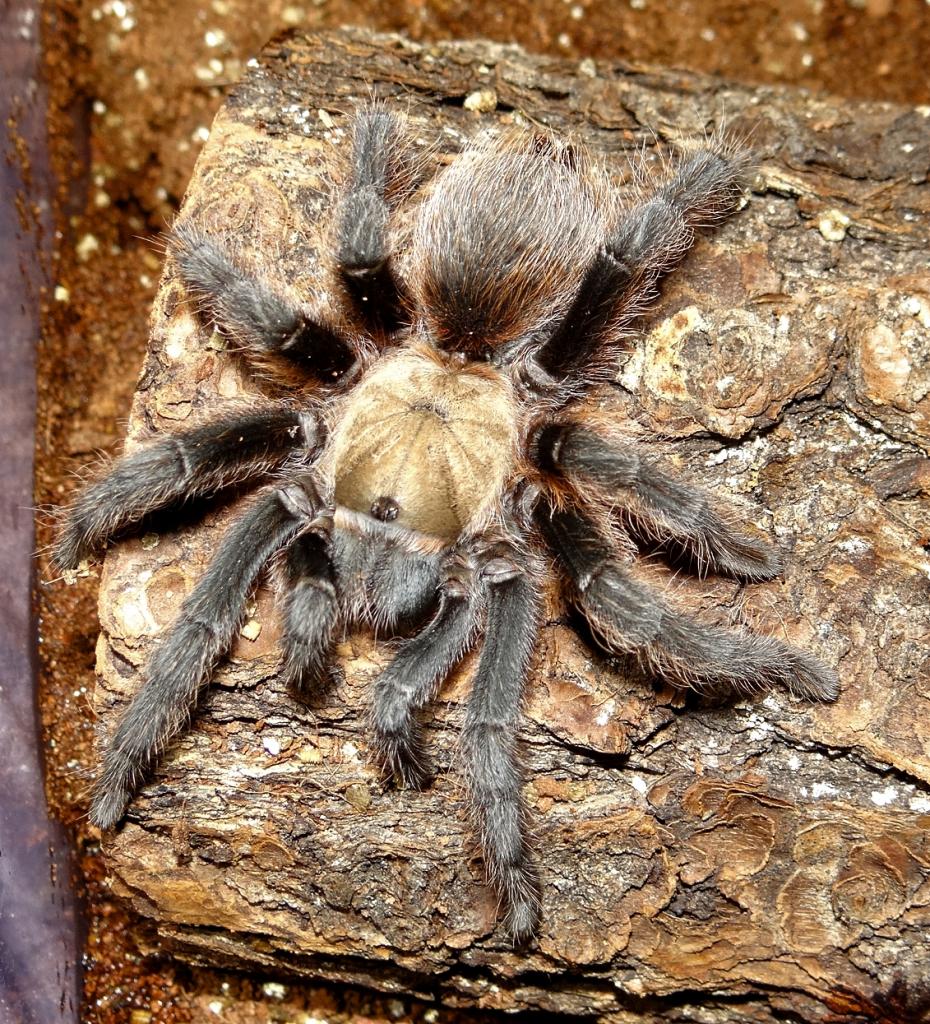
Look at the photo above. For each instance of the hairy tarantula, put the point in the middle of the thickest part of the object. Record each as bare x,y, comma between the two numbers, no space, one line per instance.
443,448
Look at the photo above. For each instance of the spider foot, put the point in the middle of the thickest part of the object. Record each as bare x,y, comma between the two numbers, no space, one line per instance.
110,799
523,908
302,675
403,760
809,677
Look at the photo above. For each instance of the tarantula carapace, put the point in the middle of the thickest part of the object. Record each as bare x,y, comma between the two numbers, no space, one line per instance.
444,449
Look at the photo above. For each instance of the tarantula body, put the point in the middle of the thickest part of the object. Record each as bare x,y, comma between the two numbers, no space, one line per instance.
404,450
433,446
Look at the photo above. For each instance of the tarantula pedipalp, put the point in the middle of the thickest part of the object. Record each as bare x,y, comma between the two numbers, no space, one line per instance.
443,448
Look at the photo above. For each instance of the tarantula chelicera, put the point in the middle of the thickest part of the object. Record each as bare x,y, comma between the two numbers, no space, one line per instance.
443,448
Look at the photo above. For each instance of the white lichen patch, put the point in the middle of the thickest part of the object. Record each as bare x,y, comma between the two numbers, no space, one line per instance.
741,459
272,745
917,306
251,630
854,546
481,100
890,357
833,225
350,753
820,789
230,382
883,797
658,366
606,711
680,383
631,374
133,614
887,367
179,333
686,321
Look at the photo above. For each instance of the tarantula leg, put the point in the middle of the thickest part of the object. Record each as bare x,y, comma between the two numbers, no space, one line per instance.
658,505
258,318
650,240
633,618
202,633
570,347
410,680
197,462
311,608
489,742
405,586
383,168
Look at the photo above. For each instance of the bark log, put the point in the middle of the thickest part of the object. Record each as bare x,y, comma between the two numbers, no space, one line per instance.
743,861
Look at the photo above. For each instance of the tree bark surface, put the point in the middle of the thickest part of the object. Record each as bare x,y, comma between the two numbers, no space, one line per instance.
733,861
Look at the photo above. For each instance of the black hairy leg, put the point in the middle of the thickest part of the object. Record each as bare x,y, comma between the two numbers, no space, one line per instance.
571,346
311,609
403,588
199,637
656,505
645,244
489,739
229,450
413,675
632,618
382,583
261,322
383,169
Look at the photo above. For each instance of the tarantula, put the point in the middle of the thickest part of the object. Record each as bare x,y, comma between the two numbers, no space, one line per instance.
442,446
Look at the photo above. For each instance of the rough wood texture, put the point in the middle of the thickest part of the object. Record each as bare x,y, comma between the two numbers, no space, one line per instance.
733,862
